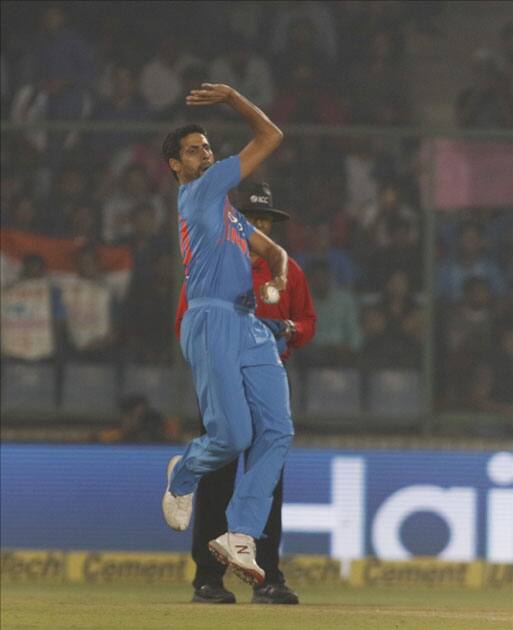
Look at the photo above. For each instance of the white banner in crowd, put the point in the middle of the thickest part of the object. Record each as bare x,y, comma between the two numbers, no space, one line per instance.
88,310
27,331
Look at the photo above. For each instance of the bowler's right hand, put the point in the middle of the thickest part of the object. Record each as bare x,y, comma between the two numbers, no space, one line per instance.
210,94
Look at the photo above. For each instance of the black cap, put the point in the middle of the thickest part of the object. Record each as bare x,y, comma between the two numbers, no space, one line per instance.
257,197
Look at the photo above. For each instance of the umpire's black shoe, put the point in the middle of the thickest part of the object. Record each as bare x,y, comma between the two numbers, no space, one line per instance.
274,594
213,594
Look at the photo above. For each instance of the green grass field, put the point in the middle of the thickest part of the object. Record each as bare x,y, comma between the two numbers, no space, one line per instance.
131,607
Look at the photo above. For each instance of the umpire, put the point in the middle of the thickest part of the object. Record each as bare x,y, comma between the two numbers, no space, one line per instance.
292,321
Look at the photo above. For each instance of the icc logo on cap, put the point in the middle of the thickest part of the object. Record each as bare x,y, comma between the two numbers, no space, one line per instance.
259,199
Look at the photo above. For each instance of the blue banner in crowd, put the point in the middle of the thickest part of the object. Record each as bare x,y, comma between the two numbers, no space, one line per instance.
348,504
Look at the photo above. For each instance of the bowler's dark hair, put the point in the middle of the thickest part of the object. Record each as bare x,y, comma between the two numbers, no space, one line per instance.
172,143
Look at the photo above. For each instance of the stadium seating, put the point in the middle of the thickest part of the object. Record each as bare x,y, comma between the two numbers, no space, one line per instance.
28,386
333,392
394,392
89,387
296,390
155,382
169,389
188,395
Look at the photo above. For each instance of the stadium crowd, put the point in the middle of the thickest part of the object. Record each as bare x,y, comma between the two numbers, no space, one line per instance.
358,224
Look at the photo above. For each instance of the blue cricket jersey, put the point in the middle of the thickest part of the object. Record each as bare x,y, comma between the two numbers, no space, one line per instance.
214,237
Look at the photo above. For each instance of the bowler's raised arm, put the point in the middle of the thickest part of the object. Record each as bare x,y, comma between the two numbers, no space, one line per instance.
267,135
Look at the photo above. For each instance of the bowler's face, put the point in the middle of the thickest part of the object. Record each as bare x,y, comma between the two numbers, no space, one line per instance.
195,157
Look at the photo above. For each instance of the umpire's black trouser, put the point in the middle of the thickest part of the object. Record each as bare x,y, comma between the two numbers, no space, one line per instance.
213,494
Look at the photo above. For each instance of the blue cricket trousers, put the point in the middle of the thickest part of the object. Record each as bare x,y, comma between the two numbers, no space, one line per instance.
243,395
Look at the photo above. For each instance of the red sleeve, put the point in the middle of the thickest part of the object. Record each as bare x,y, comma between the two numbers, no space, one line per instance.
302,311
180,311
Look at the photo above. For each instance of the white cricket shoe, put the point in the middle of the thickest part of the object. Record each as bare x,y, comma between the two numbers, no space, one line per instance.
238,551
177,509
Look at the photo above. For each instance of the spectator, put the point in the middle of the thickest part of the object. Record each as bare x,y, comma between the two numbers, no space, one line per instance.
133,187
493,387
304,25
338,336
70,187
467,329
379,87
342,267
357,22
376,218
124,105
360,167
33,267
12,187
247,19
470,260
109,47
181,114
488,100
353,29
89,309
63,67
139,423
246,71
147,328
376,345
379,348
470,322
327,205
305,99
392,327
498,231
82,224
403,313
146,156
161,78
327,229
145,242
23,215
423,16
402,253
61,80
